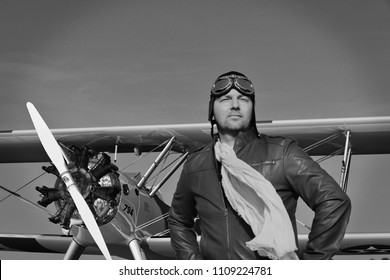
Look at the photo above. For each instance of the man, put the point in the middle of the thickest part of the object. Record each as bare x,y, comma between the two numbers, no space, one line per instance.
203,192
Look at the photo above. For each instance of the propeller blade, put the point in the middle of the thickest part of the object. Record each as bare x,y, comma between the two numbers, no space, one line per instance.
54,152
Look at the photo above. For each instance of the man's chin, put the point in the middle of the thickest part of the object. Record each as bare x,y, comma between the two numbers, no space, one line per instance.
237,126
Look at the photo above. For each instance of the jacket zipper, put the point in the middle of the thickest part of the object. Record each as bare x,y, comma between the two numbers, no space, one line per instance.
226,214
226,211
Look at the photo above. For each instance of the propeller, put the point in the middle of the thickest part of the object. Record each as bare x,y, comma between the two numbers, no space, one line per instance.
55,154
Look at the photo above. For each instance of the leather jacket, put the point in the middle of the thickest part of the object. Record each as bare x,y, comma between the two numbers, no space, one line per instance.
291,171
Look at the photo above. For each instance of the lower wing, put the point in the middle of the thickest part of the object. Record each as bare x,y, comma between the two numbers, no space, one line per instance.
160,247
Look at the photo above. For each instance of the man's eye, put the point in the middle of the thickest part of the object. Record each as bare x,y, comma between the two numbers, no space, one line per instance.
223,98
244,98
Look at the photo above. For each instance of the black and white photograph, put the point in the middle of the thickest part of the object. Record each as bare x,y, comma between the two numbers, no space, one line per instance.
195,130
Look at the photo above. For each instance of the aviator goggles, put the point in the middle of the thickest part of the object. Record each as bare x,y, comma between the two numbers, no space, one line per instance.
224,84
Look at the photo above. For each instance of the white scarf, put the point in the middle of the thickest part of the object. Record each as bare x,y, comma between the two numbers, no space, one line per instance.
256,201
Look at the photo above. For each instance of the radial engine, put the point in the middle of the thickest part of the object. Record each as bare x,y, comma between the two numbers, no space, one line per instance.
98,182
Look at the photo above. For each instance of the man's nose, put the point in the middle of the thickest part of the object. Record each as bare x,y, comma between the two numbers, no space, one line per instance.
235,104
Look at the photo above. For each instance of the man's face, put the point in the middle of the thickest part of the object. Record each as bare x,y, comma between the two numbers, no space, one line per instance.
233,112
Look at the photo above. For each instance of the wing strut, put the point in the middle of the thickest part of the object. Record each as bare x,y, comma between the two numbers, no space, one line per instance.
180,160
154,165
323,141
346,151
169,174
345,163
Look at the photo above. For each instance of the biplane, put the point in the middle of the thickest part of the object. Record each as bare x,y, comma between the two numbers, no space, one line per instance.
101,209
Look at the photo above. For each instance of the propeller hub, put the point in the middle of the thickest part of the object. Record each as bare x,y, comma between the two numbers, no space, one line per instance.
81,177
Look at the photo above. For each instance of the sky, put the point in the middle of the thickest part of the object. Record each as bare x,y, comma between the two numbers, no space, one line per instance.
111,63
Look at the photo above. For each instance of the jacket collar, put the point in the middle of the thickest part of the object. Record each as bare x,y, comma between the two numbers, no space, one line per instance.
243,138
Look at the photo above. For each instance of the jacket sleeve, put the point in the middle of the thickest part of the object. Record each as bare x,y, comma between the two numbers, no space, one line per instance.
181,221
331,206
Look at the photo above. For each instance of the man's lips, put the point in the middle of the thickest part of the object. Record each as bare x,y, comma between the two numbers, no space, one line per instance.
235,115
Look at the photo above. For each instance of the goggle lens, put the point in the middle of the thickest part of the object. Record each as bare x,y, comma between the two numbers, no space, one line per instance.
221,85
245,85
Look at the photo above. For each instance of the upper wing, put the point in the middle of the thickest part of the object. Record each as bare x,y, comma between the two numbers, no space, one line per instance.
24,145
369,136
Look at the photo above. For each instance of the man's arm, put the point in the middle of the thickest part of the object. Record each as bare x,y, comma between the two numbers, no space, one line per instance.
181,221
332,207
